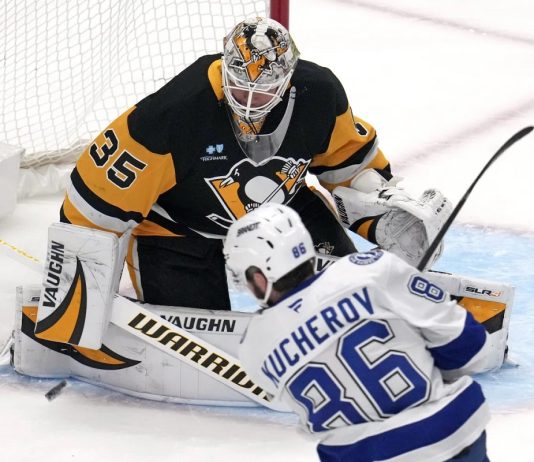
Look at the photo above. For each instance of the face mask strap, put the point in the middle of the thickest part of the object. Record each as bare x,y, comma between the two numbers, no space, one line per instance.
264,301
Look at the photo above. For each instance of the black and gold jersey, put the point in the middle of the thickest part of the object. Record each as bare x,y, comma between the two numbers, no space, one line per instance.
171,165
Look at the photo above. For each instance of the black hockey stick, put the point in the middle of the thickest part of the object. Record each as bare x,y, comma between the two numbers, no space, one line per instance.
430,251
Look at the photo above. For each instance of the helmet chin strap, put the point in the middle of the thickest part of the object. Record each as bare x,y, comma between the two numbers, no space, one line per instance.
264,301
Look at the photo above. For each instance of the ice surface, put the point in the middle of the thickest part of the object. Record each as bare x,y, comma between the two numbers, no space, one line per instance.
445,83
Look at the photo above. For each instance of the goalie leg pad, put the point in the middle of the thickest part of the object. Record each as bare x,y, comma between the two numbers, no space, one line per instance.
132,366
489,302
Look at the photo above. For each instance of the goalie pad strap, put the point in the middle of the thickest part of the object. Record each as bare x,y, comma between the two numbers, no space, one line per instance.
490,303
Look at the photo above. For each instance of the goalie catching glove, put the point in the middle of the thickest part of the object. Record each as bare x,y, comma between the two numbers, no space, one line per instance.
388,216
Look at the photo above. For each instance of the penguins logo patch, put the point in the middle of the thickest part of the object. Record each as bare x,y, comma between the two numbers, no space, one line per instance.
246,186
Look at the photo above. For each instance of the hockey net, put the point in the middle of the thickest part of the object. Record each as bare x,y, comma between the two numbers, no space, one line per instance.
69,67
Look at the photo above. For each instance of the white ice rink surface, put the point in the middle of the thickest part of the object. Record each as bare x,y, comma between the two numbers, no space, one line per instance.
445,82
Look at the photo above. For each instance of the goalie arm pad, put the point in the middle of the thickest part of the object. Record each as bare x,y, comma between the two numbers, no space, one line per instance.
81,274
387,215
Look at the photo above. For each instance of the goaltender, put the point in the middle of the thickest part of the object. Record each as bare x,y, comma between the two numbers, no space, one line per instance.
229,133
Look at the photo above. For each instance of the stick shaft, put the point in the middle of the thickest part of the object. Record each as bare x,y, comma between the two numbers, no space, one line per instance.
434,245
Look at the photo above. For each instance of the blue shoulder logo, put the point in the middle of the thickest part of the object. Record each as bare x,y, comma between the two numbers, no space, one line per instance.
366,258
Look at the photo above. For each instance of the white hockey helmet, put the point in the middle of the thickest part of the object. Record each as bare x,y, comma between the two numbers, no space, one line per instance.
258,60
271,238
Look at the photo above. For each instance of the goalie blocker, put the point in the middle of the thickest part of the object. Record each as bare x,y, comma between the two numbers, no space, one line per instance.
81,275
132,366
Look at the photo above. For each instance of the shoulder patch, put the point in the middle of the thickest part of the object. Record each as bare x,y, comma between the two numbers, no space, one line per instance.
366,258
424,288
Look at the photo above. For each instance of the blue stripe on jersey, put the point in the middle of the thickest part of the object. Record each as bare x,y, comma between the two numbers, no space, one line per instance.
301,286
459,352
417,435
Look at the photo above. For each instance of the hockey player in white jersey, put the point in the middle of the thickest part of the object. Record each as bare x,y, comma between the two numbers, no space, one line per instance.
370,354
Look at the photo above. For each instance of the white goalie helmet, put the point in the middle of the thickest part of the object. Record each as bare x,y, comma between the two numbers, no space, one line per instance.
258,60
271,238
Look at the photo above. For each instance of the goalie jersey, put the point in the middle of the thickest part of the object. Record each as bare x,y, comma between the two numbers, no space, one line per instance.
171,165
373,357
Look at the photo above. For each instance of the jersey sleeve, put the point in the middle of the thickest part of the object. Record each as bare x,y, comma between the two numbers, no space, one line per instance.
117,180
457,342
351,147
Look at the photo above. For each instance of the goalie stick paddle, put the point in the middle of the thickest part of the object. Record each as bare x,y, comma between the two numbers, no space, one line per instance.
433,246
189,348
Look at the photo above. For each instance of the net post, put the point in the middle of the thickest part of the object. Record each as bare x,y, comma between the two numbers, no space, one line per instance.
280,12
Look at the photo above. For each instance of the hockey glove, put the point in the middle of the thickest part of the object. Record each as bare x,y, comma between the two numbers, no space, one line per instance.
405,226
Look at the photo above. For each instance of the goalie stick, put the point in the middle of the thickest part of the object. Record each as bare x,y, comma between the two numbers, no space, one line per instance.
171,339
188,348
433,246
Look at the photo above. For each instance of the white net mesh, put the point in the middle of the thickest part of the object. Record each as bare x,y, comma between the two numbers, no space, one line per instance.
69,67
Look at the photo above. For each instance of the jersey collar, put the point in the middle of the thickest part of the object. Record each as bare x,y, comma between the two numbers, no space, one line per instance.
299,287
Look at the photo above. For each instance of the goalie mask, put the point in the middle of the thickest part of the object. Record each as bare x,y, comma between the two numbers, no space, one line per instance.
271,238
258,61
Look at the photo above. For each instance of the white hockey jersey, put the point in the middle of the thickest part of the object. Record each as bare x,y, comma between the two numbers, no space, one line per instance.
360,352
